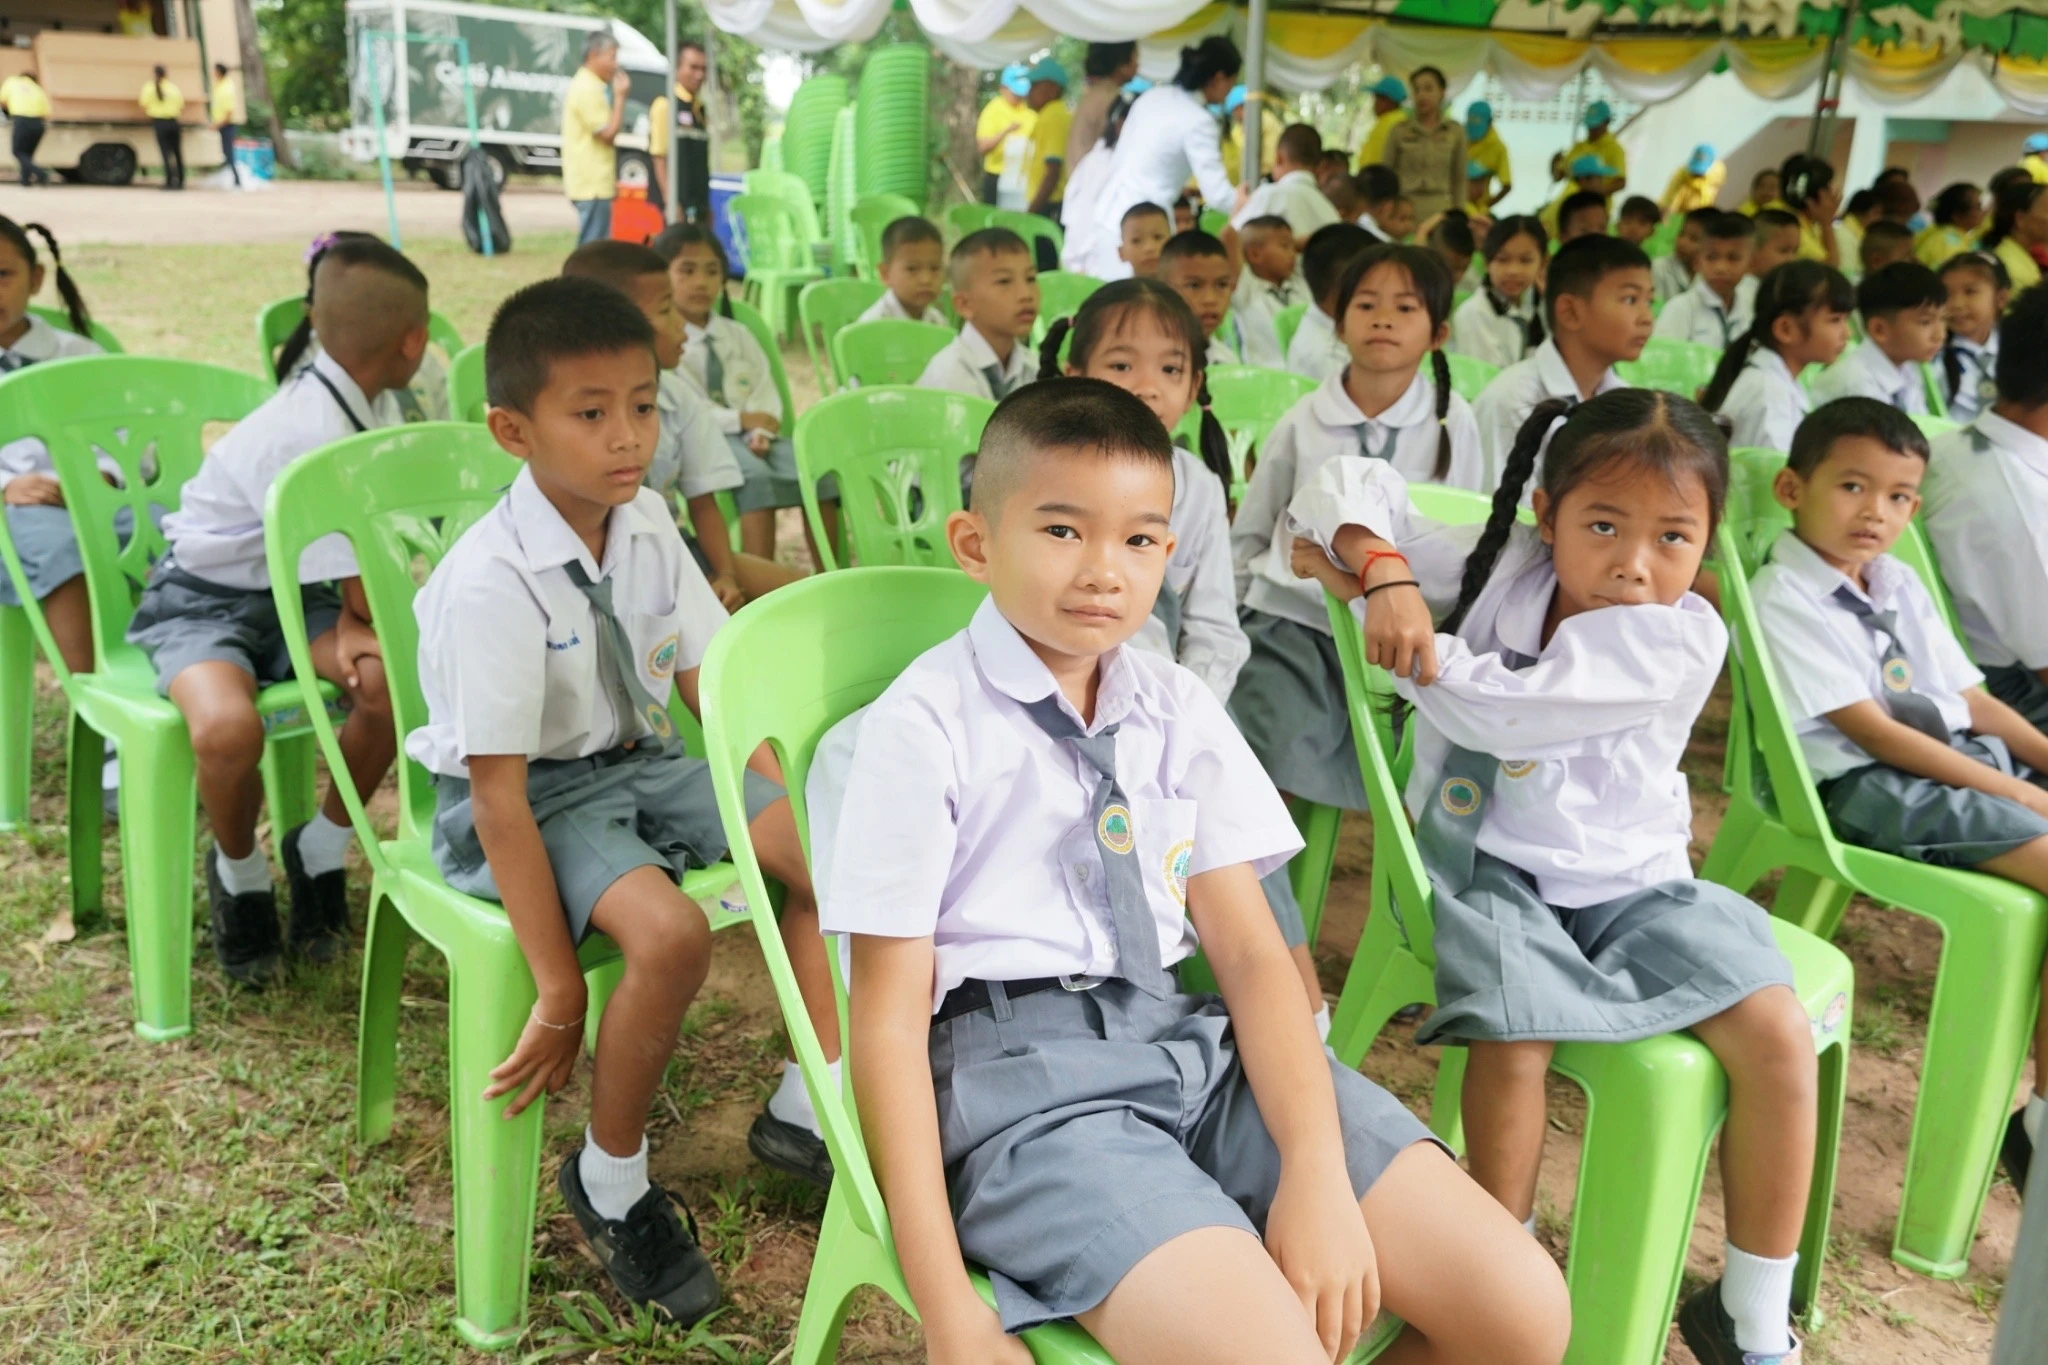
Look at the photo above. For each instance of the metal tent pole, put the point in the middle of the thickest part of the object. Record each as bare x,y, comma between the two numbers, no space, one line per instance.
1821,133
671,201
1254,91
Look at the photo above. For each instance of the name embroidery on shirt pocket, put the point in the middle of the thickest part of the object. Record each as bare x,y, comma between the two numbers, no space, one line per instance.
570,643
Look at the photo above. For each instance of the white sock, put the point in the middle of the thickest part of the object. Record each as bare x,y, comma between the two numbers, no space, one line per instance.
1323,1022
110,771
791,1102
322,844
1757,1292
2036,1111
243,876
614,1183
1529,1223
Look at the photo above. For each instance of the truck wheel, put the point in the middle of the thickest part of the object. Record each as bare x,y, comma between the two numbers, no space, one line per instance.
107,163
446,174
501,164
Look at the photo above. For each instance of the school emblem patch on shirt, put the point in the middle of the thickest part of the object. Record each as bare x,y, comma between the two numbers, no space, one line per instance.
1176,869
1460,796
659,721
1519,768
661,660
1898,675
1114,829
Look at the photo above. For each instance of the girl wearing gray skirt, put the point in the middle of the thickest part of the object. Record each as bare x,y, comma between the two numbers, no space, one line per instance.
1552,706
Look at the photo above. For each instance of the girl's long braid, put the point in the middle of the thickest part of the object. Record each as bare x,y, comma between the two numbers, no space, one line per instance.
1507,500
1214,442
1731,367
1440,371
67,288
1049,349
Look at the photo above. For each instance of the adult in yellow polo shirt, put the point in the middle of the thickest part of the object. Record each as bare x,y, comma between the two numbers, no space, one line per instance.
1485,150
221,111
1600,141
1696,184
1046,165
1272,119
28,109
1388,97
1004,129
592,109
162,102
2019,228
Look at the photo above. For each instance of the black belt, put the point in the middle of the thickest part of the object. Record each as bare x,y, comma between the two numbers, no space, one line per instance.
972,994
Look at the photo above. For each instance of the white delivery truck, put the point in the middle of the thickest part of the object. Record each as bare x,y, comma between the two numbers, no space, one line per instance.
520,62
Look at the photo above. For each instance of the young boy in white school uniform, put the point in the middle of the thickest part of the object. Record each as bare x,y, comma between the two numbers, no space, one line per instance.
1292,193
1911,754
1268,284
1901,307
1720,303
913,268
995,292
1317,351
1196,265
1037,1097
208,622
550,638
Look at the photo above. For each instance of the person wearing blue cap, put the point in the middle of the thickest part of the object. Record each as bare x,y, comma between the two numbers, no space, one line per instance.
1601,142
1486,151
1270,122
1589,175
2035,162
1045,165
1003,132
1389,96
1696,184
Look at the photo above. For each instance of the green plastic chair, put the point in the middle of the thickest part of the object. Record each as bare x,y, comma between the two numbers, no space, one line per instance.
147,414
774,253
754,322
1680,367
1249,400
1937,403
1469,375
966,218
1932,426
467,401
871,215
1285,322
1060,295
279,319
822,309
1652,1106
1213,221
792,190
1032,227
61,320
783,672
1993,931
881,443
885,351
402,496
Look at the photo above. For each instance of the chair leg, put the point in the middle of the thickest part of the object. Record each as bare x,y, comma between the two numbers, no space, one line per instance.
289,770
17,715
1820,1199
1384,977
159,805
1312,867
87,752
1811,901
497,1162
844,1256
384,945
1739,856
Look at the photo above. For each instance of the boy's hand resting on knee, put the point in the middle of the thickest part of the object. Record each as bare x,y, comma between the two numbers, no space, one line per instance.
975,1336
544,1059
1317,1236
34,490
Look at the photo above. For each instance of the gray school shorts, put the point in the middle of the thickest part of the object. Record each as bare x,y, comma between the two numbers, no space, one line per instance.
1882,807
184,620
1083,1130
600,818
48,548
771,479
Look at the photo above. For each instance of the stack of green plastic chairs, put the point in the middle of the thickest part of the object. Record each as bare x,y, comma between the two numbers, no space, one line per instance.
841,195
892,122
807,130
771,153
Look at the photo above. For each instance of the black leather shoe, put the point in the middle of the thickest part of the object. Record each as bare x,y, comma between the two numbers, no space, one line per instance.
790,1149
317,928
649,1254
244,929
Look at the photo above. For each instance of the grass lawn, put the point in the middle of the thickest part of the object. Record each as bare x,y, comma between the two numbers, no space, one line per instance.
207,1200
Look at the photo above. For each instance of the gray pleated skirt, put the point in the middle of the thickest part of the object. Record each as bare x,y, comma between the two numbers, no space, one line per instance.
1289,703
48,548
1511,968
771,479
1881,807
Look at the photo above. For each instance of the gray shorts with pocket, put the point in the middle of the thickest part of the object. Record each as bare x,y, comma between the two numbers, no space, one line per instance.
1892,811
600,818
184,620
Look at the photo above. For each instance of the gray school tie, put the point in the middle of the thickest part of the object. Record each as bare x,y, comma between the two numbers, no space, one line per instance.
1116,843
1447,831
1906,706
714,372
617,669
998,386
1386,447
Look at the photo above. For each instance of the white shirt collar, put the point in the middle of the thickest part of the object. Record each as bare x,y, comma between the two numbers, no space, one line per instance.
39,342
692,332
1556,376
1297,178
1804,566
1371,224
358,404
1711,299
1332,405
1771,363
1897,378
982,355
1013,668
548,542
2015,440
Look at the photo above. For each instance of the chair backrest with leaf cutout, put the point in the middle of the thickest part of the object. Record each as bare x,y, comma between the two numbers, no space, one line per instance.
896,452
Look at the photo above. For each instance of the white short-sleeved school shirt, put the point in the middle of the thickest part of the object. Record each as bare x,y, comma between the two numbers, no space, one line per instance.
1669,277
1212,644
1826,658
1986,509
1700,316
1220,351
958,818
509,644
1252,306
890,307
28,454
747,383
1975,385
1865,371
1766,403
217,532
691,455
1481,330
1317,351
964,365
1504,404
1296,197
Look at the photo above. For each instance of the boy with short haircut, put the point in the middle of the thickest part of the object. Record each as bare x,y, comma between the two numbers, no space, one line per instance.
1884,241
1380,188
1901,308
1292,193
1672,275
1597,303
1034,824
208,622
995,292
1911,754
1589,175
1145,229
551,635
1639,219
1196,265
1317,351
1718,306
1339,186
1451,239
913,268
1777,241
1395,218
1583,214
1268,283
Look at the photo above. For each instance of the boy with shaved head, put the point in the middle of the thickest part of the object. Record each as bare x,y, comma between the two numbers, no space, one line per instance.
209,624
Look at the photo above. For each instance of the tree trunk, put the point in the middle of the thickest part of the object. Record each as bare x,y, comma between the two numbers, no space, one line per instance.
256,80
955,105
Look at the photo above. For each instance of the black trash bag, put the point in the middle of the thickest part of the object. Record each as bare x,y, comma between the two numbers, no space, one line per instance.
480,203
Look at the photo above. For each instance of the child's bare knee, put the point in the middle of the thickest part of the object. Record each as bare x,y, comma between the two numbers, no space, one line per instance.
1526,1318
371,696
1522,1063
673,942
226,737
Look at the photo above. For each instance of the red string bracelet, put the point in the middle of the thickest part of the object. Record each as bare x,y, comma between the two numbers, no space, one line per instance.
1373,556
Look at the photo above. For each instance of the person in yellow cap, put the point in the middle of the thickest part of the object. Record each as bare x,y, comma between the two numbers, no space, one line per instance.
1270,123
1696,184
1005,117
1487,152
1600,141
1388,97
28,110
2035,162
162,102
1046,173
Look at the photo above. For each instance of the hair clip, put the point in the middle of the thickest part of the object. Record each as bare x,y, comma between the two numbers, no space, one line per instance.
318,245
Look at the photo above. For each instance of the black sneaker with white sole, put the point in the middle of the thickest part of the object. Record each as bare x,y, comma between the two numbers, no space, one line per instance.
317,927
1710,1332
2016,1153
244,929
651,1257
791,1149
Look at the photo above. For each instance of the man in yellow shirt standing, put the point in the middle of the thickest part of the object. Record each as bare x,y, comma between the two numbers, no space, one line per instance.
692,133
1696,184
1484,149
1005,117
162,102
1046,176
592,109
28,109
220,112
1388,95
1601,142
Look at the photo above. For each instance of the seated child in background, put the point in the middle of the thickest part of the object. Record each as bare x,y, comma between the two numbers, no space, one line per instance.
424,398
1639,220
1317,351
1884,242
1718,307
1380,189
1777,240
1177,1172
1583,214
1185,219
1598,298
914,267
1145,229
1555,702
728,368
1588,175
995,293
1451,239
1503,321
1672,275
1478,189
1292,193
1764,188
208,622
1901,307
551,635
1268,283
1978,292
1958,211
1802,319
1395,218
1196,265
1340,186
692,460
1910,753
